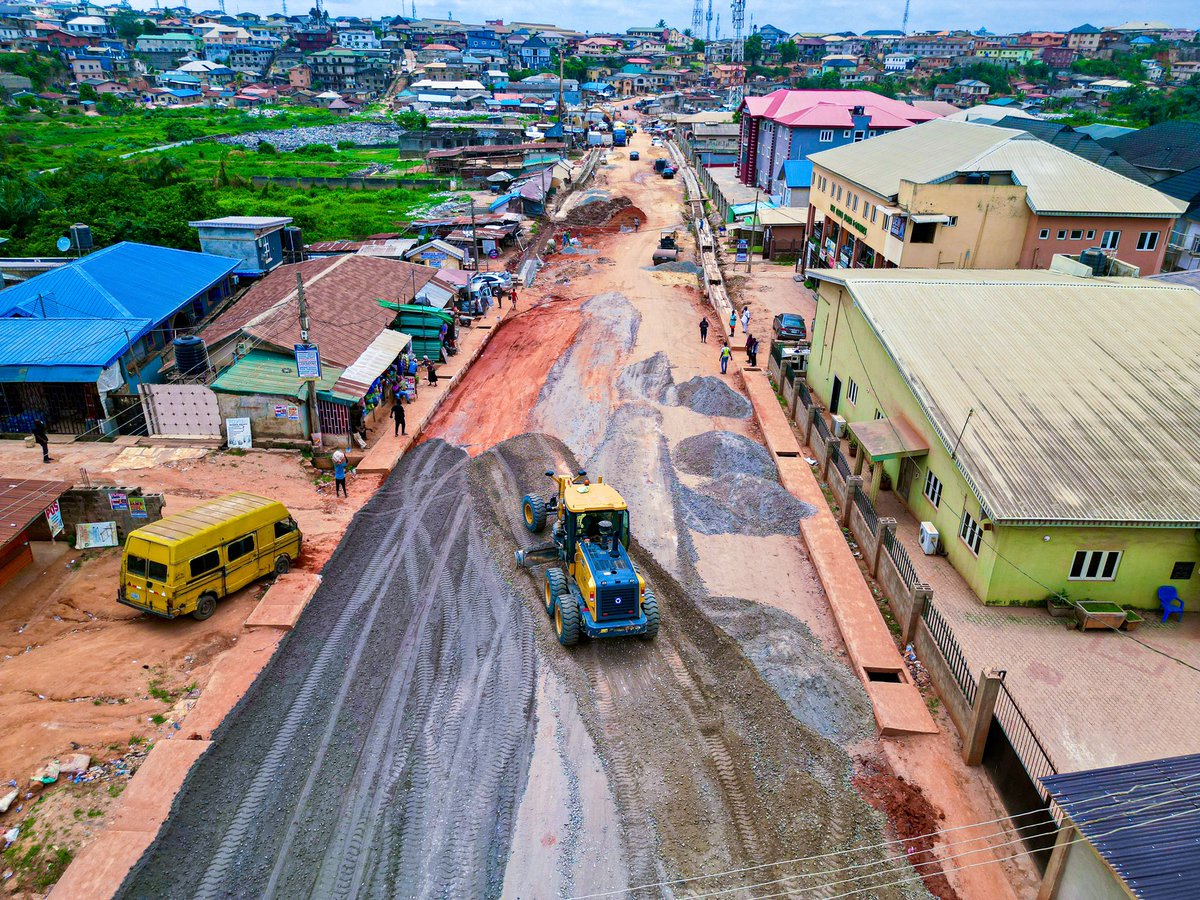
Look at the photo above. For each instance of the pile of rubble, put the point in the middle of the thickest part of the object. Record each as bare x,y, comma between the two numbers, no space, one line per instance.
363,134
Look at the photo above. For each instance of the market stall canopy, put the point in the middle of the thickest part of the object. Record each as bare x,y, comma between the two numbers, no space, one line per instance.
356,381
889,438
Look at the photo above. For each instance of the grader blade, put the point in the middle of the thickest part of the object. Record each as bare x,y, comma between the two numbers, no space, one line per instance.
536,556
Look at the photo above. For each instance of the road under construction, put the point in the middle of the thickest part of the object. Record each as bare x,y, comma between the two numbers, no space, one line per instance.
421,732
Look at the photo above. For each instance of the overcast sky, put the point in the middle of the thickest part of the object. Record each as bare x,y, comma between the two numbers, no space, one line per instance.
829,15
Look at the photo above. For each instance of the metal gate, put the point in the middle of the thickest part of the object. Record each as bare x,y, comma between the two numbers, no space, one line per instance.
65,408
181,409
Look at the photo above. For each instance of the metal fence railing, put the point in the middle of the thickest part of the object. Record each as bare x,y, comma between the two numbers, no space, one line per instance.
1025,743
899,555
840,461
805,396
943,636
823,430
863,502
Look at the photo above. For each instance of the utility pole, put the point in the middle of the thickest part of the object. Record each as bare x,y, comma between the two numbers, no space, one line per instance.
313,420
474,236
562,110
753,235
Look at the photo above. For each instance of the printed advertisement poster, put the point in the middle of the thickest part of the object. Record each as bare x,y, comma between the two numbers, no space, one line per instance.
237,433
118,501
95,534
137,507
54,519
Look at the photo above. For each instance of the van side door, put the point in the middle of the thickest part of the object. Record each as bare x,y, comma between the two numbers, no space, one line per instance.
241,565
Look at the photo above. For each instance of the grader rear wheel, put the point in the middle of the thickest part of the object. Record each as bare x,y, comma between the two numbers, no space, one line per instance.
556,585
533,510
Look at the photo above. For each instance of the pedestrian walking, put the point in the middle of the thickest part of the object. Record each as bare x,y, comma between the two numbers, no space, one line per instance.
726,353
637,223
733,323
745,319
752,353
749,348
704,330
430,371
40,438
514,299
339,474
500,298
398,416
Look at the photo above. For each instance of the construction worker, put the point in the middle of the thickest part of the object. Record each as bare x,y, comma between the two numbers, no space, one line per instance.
637,223
726,353
704,330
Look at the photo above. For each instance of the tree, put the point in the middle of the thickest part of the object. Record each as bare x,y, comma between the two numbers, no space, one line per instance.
788,52
661,23
697,45
829,81
129,25
87,92
753,49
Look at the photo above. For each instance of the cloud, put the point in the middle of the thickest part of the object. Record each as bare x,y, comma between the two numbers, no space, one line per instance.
830,15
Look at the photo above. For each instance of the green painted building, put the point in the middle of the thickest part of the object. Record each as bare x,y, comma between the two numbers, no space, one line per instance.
1048,425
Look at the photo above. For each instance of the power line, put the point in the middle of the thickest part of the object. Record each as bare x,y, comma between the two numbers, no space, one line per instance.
937,860
1113,796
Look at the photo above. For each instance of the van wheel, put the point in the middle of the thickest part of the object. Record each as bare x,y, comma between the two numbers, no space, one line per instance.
283,565
205,607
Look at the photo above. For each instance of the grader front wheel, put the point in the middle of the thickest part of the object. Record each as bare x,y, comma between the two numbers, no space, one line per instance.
533,510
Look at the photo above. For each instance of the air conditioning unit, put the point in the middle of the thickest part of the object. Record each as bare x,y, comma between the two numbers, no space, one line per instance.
839,426
929,539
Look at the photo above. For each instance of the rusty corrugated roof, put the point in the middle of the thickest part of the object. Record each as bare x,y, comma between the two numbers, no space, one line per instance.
22,500
1083,394
341,292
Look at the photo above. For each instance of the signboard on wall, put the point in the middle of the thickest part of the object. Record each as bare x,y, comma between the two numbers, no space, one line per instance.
308,362
237,434
95,534
54,519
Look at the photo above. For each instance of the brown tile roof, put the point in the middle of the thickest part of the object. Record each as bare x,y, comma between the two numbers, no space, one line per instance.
24,499
341,292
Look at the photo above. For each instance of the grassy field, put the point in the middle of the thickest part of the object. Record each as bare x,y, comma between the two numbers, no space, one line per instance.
54,171
39,142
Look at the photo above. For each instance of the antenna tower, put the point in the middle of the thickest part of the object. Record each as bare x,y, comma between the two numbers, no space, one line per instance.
708,24
737,51
221,3
697,17
904,26
717,33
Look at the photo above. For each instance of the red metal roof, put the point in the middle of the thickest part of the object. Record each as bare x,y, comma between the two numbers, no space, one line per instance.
22,500
831,109
341,292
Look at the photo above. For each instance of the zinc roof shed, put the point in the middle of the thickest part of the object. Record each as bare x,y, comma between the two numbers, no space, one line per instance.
272,374
1074,422
1141,819
63,350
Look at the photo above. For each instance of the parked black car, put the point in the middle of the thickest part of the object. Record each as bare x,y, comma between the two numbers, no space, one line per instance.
789,327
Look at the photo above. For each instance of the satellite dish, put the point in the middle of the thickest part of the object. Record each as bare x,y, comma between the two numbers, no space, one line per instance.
63,244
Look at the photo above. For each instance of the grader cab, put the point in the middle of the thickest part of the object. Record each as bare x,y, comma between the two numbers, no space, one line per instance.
591,586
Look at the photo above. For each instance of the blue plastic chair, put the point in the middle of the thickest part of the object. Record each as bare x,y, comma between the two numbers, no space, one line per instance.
1169,600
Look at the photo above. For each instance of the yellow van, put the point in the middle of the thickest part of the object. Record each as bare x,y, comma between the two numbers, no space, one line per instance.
186,562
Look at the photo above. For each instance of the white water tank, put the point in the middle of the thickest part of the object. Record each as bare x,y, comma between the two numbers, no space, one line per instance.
929,538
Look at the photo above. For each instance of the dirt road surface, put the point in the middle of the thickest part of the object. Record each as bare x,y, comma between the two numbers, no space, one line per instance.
422,734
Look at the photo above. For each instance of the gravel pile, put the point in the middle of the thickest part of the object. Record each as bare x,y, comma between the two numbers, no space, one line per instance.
365,134
650,378
716,454
710,396
742,504
678,266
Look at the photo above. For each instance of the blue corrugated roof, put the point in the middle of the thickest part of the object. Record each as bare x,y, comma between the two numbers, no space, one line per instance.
500,201
1143,819
63,349
797,173
124,281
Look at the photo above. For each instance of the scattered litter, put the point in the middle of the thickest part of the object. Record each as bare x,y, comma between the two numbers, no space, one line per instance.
8,800
10,838
75,764
47,774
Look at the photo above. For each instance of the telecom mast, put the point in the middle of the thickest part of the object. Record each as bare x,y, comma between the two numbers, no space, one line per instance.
697,17
708,25
737,51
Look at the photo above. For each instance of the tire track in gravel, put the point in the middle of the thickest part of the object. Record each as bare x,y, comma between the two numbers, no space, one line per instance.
389,737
